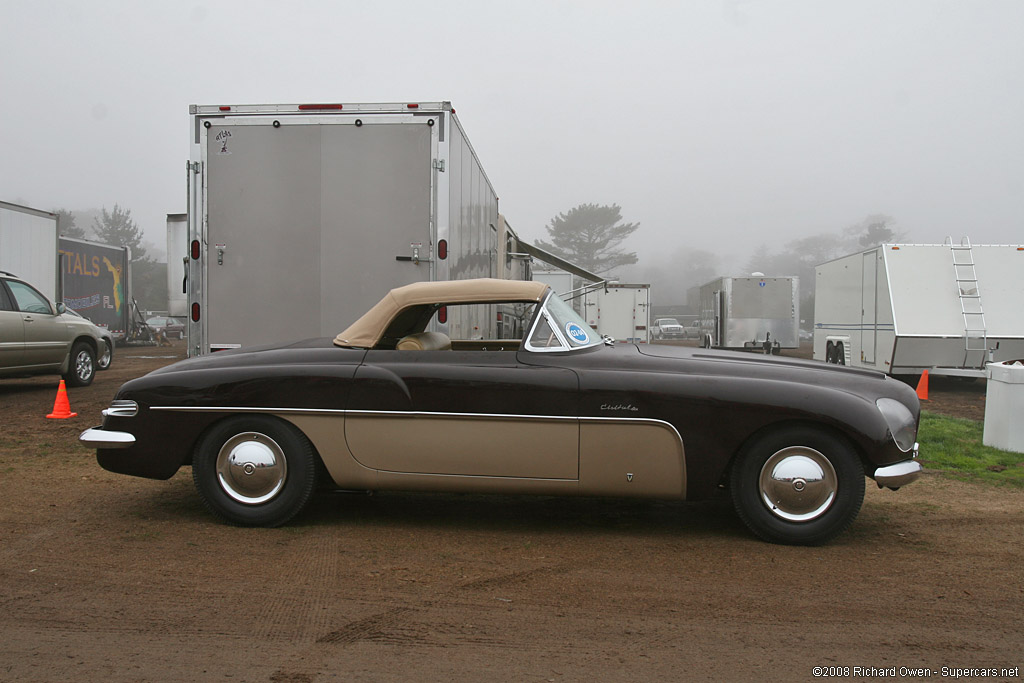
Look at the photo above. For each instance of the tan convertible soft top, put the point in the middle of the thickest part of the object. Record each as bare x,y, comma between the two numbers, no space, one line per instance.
367,331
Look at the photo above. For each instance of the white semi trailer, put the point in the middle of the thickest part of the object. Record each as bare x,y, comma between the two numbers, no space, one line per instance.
619,311
905,308
28,246
302,216
750,313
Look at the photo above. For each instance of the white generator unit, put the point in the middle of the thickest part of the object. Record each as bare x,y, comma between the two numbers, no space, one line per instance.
905,308
619,311
755,313
177,259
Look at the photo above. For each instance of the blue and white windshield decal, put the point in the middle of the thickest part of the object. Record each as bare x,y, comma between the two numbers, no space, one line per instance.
576,333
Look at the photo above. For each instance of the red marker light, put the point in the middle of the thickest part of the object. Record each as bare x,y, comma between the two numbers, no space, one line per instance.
195,313
442,315
412,106
195,250
318,107
225,108
442,249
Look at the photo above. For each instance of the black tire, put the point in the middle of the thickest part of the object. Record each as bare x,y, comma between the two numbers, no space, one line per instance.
106,355
81,365
830,352
840,354
255,471
814,479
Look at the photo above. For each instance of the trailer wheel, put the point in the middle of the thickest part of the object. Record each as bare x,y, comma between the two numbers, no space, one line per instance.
830,352
255,471
799,485
840,354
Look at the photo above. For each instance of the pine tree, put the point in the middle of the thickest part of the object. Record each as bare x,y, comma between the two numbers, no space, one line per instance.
589,236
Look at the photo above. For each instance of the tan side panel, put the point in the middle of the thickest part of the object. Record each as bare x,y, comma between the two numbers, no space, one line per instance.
626,458
466,445
327,434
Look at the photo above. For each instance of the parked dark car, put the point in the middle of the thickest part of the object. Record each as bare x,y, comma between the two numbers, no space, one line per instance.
389,405
172,328
38,337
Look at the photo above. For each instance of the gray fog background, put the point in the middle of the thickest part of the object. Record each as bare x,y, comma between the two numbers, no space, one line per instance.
715,125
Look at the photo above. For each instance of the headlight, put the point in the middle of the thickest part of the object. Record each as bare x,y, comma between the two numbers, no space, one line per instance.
902,425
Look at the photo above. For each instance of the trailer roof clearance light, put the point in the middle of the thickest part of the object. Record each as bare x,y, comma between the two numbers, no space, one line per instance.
195,250
895,248
412,106
442,315
319,107
195,313
442,249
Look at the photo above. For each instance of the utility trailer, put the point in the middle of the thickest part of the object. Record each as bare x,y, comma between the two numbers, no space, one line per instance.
905,308
750,313
95,283
301,216
28,246
619,311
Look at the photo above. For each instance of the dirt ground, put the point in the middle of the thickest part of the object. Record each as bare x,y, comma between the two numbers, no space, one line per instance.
111,578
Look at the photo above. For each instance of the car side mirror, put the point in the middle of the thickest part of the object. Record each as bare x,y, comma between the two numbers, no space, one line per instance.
61,308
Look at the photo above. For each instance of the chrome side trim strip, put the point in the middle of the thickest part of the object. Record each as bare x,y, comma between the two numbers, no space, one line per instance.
423,414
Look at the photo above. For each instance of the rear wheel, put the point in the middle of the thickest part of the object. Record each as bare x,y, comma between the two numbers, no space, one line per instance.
255,471
798,486
106,356
82,367
840,354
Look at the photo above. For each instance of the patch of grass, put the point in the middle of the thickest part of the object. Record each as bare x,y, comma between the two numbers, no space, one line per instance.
953,446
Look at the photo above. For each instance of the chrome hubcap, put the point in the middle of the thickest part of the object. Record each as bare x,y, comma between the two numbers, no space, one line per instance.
798,484
251,468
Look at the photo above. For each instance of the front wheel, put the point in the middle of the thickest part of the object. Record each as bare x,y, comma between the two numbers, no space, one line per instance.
82,366
798,486
255,471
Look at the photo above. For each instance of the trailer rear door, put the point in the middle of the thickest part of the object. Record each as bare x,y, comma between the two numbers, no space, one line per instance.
869,307
305,220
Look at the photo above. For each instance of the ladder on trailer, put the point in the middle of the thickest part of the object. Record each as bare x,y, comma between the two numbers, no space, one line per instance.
975,330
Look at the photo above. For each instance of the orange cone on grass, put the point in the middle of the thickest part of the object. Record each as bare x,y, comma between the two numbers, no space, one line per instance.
922,386
61,406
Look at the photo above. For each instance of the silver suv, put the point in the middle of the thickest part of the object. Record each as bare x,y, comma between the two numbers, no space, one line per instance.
39,337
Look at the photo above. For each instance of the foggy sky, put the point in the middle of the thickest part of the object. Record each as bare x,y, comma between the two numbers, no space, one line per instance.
717,126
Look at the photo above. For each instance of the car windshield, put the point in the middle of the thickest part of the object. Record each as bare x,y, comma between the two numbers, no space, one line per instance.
558,327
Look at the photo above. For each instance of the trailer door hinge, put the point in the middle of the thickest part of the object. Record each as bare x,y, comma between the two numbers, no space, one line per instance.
439,165
194,167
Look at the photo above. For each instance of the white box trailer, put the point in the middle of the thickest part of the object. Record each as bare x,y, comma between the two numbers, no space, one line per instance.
28,246
302,216
619,311
177,258
750,313
905,308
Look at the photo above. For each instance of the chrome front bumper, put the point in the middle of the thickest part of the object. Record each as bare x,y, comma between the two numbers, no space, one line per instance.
101,438
900,474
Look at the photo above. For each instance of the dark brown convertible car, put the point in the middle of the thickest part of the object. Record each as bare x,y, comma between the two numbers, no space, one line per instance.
390,405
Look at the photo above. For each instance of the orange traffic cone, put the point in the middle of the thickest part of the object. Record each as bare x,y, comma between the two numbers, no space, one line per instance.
922,386
61,406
